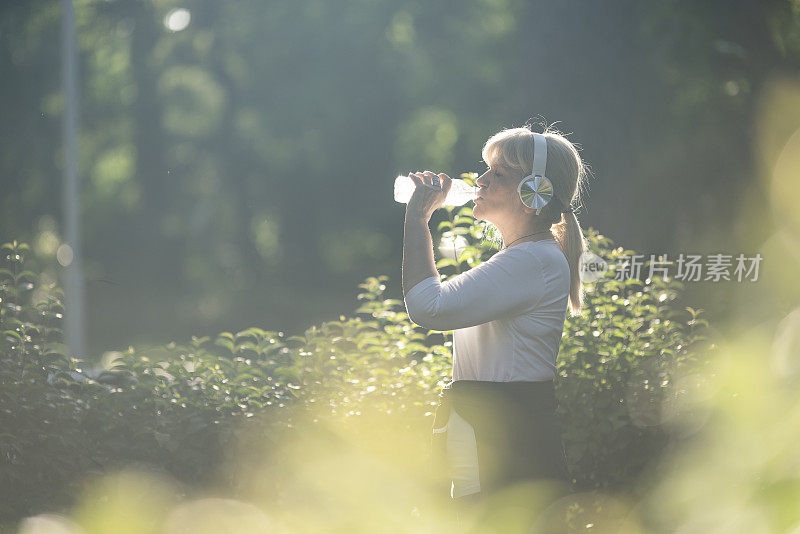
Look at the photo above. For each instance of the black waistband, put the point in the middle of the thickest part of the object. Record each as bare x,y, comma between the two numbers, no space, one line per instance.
516,385
487,394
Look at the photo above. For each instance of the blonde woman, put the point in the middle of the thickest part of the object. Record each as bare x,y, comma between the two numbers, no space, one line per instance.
496,420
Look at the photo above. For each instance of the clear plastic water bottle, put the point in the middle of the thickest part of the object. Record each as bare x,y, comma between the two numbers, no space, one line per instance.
460,192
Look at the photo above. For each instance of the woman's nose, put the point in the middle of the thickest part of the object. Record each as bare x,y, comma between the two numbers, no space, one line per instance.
481,181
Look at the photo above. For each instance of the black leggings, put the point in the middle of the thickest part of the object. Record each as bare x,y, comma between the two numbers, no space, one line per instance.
466,504
518,438
517,431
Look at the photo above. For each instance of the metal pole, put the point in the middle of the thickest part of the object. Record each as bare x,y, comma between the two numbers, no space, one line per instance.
74,283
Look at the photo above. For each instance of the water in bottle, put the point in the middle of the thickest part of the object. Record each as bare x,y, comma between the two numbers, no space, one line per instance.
460,191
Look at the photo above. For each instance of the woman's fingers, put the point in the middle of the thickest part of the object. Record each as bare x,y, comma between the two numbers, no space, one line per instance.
431,179
446,182
421,178
438,181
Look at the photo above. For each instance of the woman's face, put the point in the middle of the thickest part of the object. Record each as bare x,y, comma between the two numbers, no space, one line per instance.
497,195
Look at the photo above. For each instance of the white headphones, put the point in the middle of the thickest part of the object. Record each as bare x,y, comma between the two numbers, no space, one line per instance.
536,190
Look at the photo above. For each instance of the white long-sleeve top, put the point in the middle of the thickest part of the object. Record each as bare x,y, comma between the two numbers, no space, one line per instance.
507,314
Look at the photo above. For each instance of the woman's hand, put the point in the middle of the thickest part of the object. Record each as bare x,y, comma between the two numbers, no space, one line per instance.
429,194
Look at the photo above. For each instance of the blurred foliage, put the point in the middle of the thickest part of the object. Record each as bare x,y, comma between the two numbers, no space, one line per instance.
234,161
183,409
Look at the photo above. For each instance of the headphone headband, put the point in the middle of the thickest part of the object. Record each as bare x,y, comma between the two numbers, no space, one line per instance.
536,190
539,154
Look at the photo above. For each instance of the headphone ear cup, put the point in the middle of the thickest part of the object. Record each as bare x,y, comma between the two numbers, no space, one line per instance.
535,191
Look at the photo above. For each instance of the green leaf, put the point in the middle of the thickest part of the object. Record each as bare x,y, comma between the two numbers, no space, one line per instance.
446,262
12,333
226,343
27,274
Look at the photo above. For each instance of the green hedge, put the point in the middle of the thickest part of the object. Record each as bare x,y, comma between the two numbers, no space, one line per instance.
178,408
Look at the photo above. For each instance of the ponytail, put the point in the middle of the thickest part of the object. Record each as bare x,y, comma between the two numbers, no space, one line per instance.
567,232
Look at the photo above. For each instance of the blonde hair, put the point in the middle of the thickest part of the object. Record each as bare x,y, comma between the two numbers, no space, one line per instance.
513,148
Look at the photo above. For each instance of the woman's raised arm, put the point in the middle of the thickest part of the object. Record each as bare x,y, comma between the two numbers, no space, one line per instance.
507,284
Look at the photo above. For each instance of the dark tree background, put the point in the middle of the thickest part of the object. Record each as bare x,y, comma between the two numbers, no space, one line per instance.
238,171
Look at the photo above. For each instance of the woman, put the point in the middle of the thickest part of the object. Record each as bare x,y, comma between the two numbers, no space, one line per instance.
497,419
